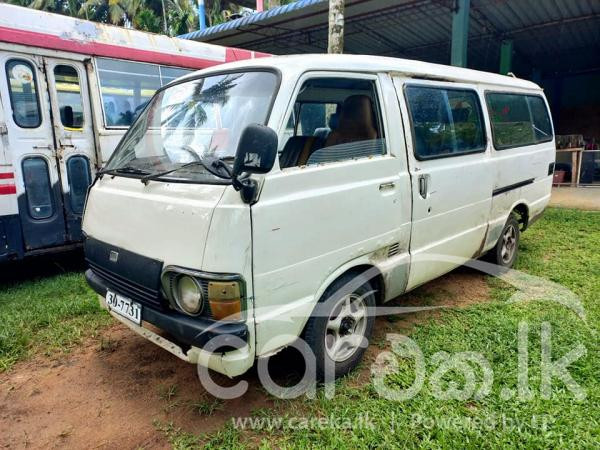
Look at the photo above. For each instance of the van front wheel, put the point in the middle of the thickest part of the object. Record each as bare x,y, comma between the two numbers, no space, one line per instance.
339,329
505,252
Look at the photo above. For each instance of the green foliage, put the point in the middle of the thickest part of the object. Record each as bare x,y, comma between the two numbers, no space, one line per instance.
144,15
146,20
183,17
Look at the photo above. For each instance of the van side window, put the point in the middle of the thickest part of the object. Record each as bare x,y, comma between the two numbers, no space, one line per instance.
126,87
68,92
22,87
518,120
445,122
333,119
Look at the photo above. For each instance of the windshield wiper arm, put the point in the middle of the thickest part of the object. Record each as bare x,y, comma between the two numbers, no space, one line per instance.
154,176
212,166
126,169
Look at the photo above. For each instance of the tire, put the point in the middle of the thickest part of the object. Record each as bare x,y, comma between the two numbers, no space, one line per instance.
341,307
506,250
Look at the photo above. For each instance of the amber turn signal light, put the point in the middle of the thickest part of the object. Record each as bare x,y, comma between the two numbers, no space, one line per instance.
225,300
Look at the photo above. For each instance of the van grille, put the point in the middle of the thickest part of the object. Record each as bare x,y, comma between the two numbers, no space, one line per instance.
130,274
393,249
127,288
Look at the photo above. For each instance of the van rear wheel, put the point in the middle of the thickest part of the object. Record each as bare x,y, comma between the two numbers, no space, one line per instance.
339,329
507,248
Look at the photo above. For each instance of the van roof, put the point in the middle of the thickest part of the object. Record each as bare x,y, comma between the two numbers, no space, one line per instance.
374,64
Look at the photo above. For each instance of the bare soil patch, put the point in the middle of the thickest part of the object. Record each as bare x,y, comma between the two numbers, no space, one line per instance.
110,393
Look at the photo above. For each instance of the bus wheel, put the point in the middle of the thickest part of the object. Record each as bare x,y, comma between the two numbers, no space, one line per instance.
339,329
505,252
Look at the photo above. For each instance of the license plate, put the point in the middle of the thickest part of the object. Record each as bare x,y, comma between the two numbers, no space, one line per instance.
124,307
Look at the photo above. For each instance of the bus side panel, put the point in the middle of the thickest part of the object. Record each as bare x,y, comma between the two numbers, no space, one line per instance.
11,239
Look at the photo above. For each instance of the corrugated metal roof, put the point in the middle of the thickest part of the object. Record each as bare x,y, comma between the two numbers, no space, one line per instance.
553,35
254,18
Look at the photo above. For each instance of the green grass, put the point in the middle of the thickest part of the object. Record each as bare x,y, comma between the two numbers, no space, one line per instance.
44,314
563,247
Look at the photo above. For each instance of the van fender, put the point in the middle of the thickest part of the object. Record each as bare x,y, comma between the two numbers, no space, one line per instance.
384,270
387,270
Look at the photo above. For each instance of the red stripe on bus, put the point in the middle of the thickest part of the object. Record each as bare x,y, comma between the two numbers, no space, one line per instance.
237,54
51,41
6,175
7,189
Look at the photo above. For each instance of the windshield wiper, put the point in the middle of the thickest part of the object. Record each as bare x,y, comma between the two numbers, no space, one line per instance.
212,165
126,169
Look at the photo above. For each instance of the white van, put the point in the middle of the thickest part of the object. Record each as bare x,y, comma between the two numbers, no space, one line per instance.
247,195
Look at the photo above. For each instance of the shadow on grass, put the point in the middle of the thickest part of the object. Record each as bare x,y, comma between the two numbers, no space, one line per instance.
37,267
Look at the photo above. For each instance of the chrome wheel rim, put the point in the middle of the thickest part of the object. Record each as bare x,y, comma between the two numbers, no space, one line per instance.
509,244
346,328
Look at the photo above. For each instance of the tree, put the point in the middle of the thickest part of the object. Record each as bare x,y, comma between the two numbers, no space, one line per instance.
336,27
183,17
146,20
113,11
68,7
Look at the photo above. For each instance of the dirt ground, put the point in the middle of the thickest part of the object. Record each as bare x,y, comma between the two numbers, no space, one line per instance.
585,198
112,393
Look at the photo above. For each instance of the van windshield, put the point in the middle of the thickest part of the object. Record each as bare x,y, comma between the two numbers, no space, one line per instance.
189,121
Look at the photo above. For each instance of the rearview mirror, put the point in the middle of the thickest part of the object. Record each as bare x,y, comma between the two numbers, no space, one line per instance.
256,150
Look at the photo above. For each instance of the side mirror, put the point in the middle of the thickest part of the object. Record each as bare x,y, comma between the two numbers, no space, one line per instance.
256,151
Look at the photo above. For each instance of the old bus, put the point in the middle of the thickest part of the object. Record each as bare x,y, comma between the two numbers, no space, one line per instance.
336,183
69,89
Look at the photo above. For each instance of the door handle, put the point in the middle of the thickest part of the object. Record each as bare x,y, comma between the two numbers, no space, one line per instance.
42,147
423,186
389,185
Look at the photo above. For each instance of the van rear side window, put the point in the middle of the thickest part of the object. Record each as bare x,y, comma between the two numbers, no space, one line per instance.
518,120
445,122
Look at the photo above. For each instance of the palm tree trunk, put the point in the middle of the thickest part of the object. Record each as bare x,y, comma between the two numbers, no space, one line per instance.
336,26
164,11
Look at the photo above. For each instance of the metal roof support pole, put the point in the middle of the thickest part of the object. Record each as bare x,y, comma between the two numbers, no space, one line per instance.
201,15
506,56
460,32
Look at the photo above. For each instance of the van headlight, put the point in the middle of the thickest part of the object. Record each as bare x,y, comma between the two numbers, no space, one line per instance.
219,296
188,295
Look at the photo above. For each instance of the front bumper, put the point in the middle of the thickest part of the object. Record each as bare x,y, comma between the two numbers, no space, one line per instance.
233,357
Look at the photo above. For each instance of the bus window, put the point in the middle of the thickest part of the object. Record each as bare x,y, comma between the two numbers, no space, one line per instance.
68,93
126,87
78,171
37,187
168,74
23,93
